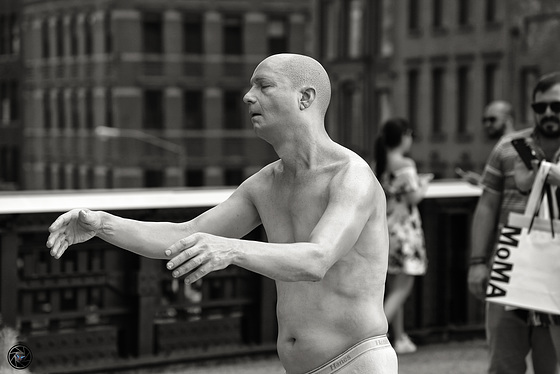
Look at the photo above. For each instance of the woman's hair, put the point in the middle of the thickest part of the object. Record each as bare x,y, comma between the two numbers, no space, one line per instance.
390,136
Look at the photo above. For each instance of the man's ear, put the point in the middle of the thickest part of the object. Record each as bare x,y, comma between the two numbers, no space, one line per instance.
308,95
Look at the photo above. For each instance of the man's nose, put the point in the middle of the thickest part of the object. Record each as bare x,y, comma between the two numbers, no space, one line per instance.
249,98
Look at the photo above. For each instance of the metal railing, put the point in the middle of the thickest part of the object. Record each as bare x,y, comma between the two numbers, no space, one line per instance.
102,308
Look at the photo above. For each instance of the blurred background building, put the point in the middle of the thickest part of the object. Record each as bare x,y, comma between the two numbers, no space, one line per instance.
11,141
437,63
148,93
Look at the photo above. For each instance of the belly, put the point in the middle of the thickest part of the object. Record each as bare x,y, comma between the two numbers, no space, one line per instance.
316,326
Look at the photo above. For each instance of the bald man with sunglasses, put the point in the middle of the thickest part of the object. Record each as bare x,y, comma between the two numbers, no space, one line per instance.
497,121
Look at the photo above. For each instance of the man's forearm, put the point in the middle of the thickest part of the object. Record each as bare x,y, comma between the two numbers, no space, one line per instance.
149,239
483,231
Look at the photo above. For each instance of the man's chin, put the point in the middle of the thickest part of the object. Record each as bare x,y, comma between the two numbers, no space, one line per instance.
549,129
493,135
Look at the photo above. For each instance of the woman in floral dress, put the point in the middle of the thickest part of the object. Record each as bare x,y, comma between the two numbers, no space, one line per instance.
404,189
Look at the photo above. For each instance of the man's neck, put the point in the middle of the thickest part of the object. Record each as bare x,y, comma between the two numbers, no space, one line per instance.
304,151
550,146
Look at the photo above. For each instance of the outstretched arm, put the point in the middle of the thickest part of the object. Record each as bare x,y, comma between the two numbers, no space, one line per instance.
234,217
351,203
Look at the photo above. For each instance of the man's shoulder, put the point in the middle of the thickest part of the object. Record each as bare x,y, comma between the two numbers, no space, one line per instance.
504,144
523,133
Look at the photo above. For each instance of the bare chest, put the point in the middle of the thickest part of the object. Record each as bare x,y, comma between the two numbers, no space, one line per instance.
289,213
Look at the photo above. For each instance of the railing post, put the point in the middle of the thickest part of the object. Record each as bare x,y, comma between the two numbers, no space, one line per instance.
149,296
9,247
268,311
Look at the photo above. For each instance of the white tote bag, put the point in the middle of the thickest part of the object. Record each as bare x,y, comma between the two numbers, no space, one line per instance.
525,271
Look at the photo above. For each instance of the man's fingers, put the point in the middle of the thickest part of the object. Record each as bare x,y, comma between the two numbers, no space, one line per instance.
182,258
201,272
181,245
60,245
186,266
60,221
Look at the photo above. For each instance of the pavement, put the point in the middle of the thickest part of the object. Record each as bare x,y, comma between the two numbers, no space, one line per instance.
454,357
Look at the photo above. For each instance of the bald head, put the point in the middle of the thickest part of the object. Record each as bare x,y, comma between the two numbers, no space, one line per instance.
303,71
498,119
501,106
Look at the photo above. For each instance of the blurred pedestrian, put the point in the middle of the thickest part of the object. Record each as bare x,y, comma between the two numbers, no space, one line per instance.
324,214
498,121
404,189
512,332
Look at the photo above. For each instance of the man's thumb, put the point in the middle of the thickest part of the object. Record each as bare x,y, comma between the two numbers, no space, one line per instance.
86,217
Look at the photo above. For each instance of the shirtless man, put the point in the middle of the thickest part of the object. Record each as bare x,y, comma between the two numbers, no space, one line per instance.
324,215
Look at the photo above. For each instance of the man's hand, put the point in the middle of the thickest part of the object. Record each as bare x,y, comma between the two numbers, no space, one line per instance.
75,226
199,254
469,176
478,278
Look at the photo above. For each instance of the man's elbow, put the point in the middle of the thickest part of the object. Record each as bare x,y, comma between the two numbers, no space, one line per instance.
319,265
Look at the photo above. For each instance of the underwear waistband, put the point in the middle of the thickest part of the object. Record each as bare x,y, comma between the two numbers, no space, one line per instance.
352,353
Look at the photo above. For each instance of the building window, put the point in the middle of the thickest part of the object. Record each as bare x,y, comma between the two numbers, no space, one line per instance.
152,30
9,34
89,108
437,14
108,32
232,105
354,14
194,177
45,40
329,28
153,109
9,164
233,177
464,12
108,107
277,32
48,177
61,177
529,78
414,15
490,71
233,35
75,175
60,107
437,99
154,178
348,104
110,178
73,30
47,110
88,37
490,11
59,37
90,178
193,105
413,97
193,34
463,90
75,116
9,102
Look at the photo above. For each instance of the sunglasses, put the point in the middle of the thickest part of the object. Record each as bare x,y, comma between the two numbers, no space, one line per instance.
540,108
491,119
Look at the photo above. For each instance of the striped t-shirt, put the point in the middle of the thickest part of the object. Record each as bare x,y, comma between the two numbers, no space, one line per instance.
498,175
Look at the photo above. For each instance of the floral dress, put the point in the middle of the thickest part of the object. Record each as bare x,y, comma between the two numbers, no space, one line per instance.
407,250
